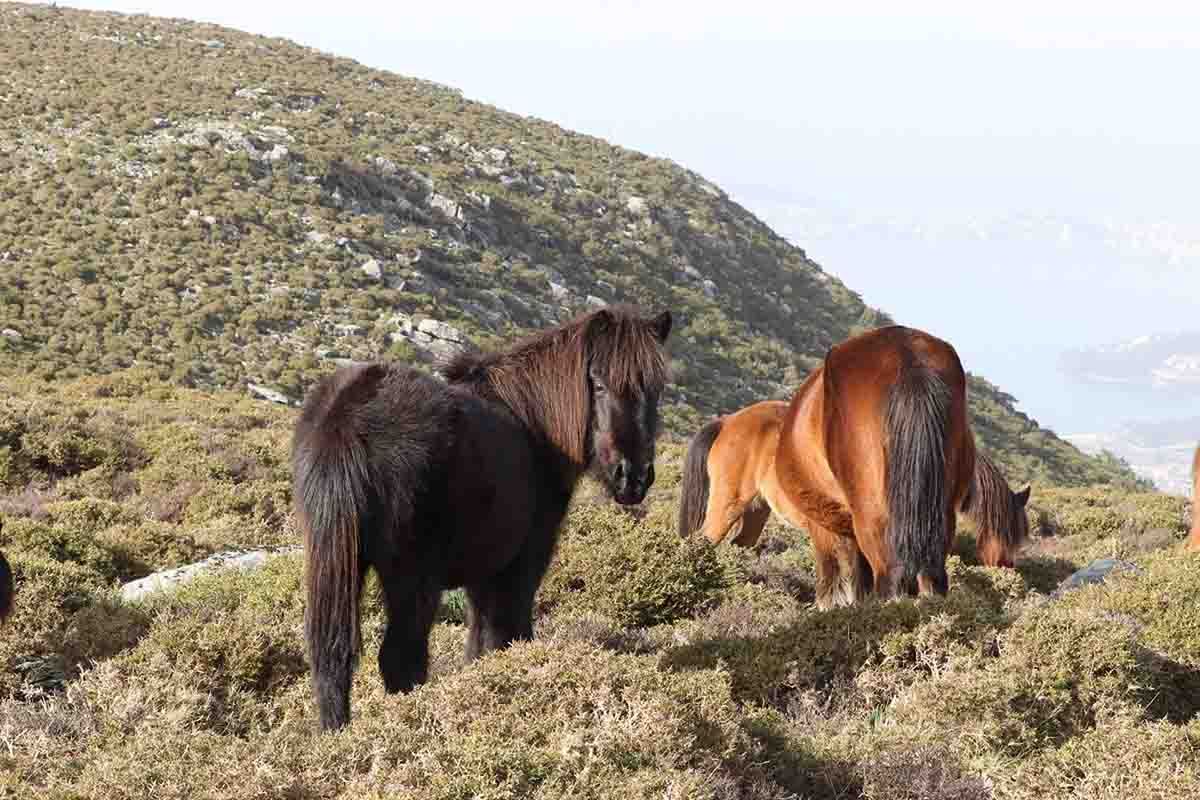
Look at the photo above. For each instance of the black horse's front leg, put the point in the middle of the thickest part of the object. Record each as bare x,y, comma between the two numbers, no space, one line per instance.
500,608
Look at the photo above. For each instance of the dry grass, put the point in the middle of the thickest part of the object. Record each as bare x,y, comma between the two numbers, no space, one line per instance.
661,668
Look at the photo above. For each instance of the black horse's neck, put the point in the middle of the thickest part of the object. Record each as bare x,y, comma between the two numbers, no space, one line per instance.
546,391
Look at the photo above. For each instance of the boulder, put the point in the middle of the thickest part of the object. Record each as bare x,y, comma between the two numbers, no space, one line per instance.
265,393
372,269
169,579
1095,572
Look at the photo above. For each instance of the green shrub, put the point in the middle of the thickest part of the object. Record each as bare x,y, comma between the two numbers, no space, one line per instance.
1058,669
1098,512
220,644
637,574
64,616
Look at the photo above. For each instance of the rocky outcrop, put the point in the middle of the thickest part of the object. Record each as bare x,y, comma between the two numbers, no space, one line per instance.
438,338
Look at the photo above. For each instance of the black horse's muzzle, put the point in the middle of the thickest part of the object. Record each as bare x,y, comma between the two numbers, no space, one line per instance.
630,484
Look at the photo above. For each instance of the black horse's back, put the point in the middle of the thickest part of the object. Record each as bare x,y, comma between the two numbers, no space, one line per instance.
367,439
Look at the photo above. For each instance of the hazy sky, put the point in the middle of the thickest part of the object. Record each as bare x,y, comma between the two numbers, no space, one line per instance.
925,112
868,106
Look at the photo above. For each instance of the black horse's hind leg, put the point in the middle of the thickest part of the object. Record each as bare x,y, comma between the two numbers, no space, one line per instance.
500,609
411,598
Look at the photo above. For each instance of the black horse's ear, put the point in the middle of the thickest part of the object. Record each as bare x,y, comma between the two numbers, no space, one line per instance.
661,325
1022,497
601,321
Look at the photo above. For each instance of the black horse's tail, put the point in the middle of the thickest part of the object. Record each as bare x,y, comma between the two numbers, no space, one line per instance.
7,588
341,479
694,492
918,421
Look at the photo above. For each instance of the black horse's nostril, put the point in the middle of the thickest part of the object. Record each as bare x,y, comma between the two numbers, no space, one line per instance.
649,476
619,471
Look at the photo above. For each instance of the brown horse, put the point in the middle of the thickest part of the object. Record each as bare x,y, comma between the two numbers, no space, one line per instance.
1193,541
463,483
999,514
750,437
873,455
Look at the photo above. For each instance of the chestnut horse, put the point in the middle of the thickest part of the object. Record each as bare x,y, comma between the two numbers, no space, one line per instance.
1193,541
873,455
462,483
750,436
999,514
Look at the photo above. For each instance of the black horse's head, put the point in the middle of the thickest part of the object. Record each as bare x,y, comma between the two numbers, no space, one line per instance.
627,370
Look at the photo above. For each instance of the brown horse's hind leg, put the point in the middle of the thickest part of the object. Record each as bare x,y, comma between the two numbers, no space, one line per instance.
725,508
870,533
754,519
843,574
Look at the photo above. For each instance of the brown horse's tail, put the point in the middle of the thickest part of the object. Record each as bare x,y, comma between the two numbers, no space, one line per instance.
918,421
694,492
7,588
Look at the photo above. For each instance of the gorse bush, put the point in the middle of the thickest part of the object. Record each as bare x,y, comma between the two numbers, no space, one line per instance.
636,573
1099,512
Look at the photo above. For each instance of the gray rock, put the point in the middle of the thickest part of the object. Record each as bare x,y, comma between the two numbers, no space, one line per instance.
637,205
266,393
348,329
1095,572
166,580
440,330
372,269
710,288
9,333
558,291
444,204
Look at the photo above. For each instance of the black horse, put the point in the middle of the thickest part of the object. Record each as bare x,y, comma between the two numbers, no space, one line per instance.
463,483
6,585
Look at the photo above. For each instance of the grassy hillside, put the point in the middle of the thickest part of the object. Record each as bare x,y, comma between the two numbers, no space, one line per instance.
235,210
662,667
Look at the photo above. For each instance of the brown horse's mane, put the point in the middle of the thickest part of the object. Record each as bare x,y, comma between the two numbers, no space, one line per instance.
543,378
990,503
